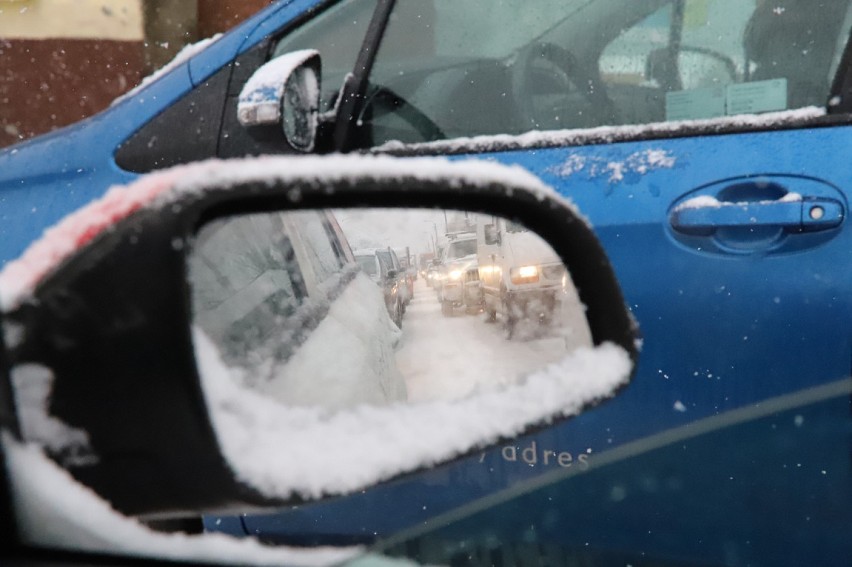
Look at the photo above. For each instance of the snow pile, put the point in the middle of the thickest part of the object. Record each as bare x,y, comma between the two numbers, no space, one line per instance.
284,450
53,510
19,278
638,163
445,358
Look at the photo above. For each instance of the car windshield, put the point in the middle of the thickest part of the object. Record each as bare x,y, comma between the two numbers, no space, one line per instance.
461,248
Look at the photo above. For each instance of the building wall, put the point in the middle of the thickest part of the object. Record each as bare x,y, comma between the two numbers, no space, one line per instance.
216,16
170,25
64,60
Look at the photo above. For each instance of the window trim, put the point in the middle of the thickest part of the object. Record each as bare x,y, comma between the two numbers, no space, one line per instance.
609,135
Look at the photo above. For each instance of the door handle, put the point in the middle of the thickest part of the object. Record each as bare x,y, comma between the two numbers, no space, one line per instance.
703,215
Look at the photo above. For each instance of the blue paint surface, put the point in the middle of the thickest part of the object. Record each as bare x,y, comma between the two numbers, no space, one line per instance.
724,328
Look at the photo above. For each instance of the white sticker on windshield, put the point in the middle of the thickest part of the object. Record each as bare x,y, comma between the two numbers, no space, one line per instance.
695,104
759,96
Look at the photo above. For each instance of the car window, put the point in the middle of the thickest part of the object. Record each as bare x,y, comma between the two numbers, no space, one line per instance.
245,278
394,259
385,260
461,248
337,34
443,72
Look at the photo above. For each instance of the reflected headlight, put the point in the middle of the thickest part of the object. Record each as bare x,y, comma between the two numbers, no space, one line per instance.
524,274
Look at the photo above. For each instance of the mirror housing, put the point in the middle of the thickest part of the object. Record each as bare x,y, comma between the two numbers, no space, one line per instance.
285,93
116,347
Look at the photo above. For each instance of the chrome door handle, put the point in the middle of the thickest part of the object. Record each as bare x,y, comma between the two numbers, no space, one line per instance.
704,216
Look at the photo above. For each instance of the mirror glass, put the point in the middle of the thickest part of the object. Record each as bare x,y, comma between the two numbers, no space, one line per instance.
388,339
299,108
335,309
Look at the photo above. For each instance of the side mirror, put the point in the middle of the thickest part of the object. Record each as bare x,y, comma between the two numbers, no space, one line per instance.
248,264
392,274
285,93
492,235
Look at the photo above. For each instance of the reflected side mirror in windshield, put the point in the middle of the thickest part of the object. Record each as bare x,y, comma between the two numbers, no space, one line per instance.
492,234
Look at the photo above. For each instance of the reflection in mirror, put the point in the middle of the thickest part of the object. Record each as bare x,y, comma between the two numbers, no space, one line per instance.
336,309
300,107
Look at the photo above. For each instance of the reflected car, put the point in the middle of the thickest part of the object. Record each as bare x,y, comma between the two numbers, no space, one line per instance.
520,277
460,285
378,265
405,287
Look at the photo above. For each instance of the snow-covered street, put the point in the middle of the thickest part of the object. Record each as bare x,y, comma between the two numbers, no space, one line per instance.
447,357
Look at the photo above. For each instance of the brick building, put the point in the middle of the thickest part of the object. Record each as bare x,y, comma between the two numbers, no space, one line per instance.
64,60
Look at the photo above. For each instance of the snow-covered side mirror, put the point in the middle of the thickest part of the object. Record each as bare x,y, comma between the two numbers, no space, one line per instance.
285,93
124,330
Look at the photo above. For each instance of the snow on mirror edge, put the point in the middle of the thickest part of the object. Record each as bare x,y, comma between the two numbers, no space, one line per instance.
283,450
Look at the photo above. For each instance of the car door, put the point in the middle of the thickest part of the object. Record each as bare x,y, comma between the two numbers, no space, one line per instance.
701,141
728,232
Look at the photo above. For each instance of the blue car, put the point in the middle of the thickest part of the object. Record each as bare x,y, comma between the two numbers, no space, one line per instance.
702,139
